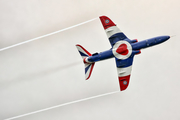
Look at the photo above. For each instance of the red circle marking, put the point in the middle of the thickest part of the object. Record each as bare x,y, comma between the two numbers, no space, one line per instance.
122,49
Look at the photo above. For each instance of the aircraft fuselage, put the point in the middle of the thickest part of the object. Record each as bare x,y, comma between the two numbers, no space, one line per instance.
122,50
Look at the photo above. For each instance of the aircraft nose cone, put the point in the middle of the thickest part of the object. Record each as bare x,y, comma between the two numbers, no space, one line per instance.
162,39
166,37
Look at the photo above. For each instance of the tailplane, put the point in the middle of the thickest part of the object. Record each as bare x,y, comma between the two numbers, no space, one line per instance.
88,66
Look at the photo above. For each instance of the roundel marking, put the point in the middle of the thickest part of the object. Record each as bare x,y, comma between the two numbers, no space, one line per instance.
107,21
122,49
125,82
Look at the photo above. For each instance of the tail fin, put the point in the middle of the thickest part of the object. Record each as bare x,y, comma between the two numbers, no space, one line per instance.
88,66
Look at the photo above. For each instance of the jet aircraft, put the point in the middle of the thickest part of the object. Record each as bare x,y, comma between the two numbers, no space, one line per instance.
123,50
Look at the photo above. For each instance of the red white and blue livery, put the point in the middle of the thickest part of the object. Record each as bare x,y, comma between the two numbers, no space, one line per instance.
123,50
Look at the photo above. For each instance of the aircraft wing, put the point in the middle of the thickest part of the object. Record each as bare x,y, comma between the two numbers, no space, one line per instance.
124,68
118,42
113,32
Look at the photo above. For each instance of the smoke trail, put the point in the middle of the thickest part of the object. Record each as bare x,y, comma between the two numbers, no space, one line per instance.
34,75
27,41
42,110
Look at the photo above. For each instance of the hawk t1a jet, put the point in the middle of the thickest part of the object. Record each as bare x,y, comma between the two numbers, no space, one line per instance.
123,50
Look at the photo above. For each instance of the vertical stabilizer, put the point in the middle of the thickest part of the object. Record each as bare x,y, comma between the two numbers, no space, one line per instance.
88,65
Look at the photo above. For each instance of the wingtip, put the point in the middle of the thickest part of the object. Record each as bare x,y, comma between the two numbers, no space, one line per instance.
106,22
124,82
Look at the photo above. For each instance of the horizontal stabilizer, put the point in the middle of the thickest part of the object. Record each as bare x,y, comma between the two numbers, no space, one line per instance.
88,70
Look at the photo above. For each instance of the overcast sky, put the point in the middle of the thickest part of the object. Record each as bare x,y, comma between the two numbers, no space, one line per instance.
50,72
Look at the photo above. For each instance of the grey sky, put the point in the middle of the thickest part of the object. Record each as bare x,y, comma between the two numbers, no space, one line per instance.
49,72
